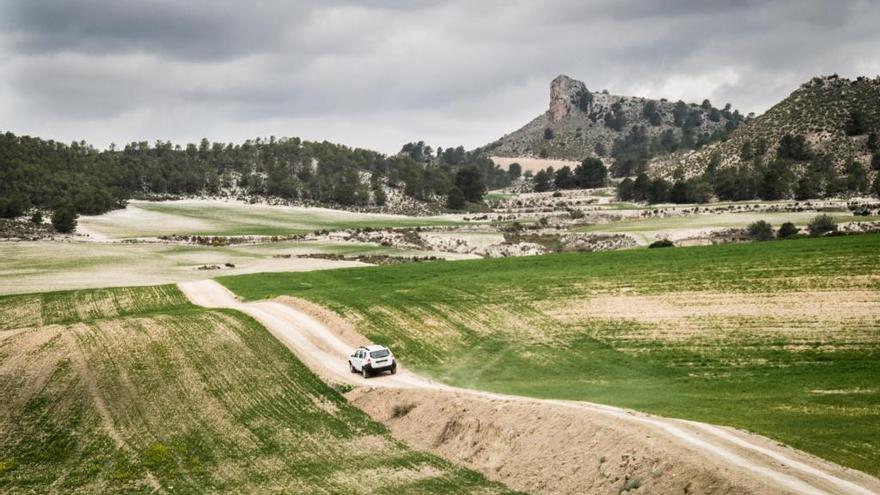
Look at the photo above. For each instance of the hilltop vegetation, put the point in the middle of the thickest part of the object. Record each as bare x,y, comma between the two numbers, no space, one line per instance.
828,124
778,338
137,391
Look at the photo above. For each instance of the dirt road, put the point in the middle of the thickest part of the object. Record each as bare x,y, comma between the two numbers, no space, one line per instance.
745,463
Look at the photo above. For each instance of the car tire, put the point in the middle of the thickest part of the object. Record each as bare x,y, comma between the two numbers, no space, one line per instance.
365,372
394,369
351,367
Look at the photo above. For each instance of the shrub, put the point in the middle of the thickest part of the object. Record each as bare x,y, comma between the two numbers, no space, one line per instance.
760,231
794,148
455,200
64,219
822,224
575,214
13,206
548,133
37,217
856,125
401,410
662,243
632,483
787,230
625,190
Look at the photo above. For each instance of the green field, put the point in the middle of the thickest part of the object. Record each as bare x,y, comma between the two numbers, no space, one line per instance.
153,219
781,338
648,229
136,391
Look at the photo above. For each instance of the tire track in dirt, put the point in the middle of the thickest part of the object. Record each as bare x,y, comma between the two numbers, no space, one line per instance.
755,460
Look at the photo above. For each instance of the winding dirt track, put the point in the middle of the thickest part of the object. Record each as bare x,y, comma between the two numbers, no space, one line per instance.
760,461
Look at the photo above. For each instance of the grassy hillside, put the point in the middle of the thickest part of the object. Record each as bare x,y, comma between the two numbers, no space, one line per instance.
781,338
137,391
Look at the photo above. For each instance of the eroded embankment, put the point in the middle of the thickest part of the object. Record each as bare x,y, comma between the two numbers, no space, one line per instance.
548,449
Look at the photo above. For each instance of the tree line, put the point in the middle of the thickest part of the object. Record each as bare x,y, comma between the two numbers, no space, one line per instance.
49,174
796,172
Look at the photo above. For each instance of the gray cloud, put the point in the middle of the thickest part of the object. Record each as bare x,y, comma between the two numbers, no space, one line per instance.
379,73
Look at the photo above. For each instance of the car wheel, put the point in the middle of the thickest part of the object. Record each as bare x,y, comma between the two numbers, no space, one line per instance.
364,372
394,369
351,367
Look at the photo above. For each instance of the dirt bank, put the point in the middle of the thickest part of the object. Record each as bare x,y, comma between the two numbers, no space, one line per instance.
546,449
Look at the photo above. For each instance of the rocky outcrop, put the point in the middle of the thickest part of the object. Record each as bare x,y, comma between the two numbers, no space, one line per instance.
564,95
583,123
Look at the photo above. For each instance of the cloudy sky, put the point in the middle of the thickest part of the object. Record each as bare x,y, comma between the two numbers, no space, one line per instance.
379,73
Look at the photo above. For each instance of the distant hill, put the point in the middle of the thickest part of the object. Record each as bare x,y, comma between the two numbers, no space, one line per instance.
835,115
580,123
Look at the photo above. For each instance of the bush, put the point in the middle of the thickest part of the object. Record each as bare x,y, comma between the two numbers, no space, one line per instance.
662,243
64,219
787,230
794,148
822,224
575,214
455,200
856,125
548,134
37,217
13,206
760,231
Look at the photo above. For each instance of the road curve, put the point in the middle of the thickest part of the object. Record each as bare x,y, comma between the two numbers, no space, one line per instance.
781,469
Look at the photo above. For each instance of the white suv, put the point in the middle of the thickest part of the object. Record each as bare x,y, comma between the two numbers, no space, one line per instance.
370,359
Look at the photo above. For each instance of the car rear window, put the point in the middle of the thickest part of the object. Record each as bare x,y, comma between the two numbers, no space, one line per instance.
379,354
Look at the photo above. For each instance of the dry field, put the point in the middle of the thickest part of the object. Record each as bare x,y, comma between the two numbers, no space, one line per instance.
221,218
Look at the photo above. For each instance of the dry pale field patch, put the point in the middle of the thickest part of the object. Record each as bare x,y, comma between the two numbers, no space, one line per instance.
680,316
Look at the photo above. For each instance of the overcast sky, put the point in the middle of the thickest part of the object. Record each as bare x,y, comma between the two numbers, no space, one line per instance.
379,73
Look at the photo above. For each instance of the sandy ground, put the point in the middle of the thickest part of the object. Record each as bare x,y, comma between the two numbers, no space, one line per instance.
533,164
545,446
681,316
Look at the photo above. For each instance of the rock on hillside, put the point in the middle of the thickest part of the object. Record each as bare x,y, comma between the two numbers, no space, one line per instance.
820,110
580,123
